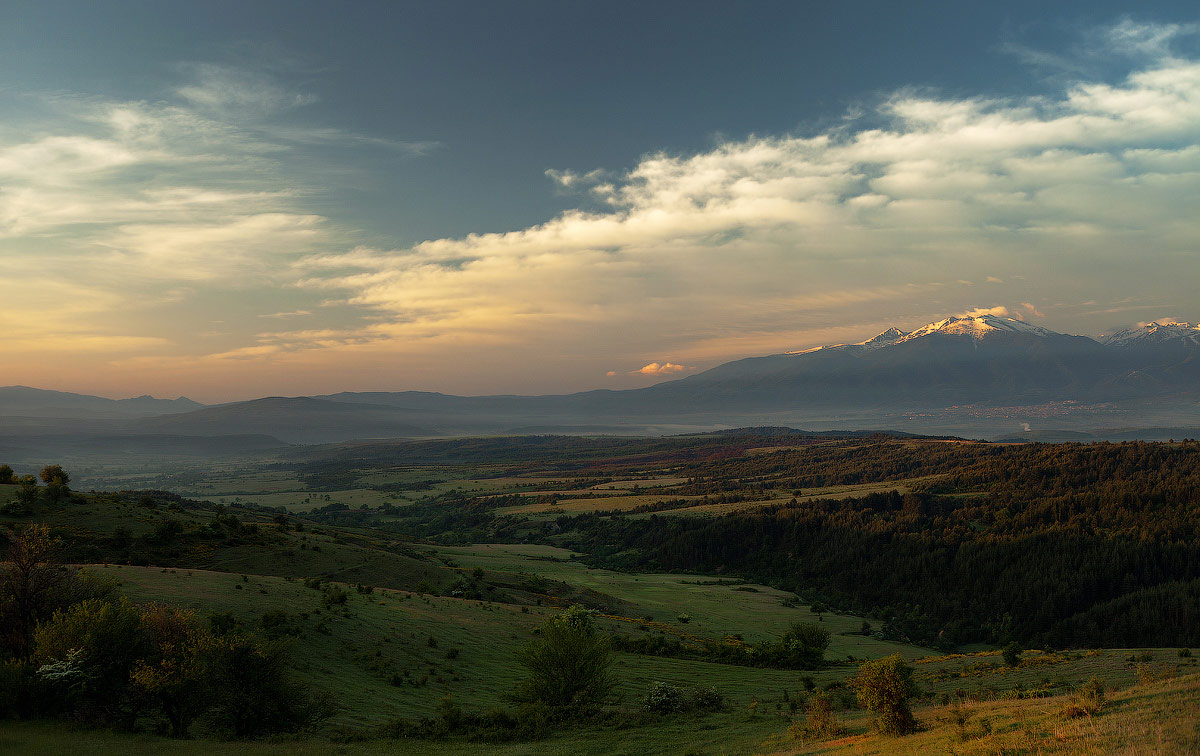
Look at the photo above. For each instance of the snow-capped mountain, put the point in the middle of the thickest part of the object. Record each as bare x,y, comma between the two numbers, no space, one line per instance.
978,327
887,338
1155,333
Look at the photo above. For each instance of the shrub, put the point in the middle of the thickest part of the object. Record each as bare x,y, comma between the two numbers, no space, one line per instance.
1012,654
1088,701
333,595
804,644
88,652
254,695
885,686
706,699
567,663
663,698
819,722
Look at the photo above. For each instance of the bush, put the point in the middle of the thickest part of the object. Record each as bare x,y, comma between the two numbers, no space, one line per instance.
567,664
663,698
885,686
333,595
87,653
819,722
804,644
255,696
1012,654
1088,701
706,699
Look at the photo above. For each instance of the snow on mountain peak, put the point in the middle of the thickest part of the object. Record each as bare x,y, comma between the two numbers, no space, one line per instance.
977,327
889,336
1154,333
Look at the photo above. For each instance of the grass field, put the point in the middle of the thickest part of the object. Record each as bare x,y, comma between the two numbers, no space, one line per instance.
1160,718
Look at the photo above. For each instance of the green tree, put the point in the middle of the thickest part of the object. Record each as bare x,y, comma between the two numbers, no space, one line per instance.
28,581
102,640
252,692
884,686
568,663
175,673
804,644
6,474
27,494
1012,654
56,480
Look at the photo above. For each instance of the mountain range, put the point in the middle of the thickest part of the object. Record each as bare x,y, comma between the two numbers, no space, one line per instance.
980,375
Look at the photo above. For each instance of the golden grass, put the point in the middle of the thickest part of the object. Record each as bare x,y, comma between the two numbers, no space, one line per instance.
1161,718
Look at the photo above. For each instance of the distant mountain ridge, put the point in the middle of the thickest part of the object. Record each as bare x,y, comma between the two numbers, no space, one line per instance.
25,401
956,367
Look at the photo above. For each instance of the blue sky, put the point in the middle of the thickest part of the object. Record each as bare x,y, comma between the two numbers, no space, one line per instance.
235,199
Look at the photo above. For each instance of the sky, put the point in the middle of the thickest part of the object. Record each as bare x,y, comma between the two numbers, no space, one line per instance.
228,200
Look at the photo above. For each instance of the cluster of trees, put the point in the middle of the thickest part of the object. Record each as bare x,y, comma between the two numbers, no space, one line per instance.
1056,545
55,488
802,646
71,646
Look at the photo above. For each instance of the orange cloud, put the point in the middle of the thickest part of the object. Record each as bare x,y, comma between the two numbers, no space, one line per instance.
665,368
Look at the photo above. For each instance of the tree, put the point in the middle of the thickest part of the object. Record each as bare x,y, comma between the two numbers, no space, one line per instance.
27,494
884,686
252,692
804,644
6,474
54,474
175,674
102,640
568,663
1012,654
30,576
56,480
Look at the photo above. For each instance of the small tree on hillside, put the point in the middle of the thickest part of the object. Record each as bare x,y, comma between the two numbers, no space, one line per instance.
884,686
804,644
56,480
568,663
27,494
6,474
1012,654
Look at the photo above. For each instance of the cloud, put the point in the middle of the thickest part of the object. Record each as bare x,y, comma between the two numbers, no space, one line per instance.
291,314
790,233
189,208
999,311
665,368
224,88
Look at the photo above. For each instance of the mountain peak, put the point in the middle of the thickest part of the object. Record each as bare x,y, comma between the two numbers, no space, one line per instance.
977,327
1155,332
890,336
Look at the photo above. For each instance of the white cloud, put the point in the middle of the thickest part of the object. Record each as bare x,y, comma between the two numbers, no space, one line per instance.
999,311
798,233
761,244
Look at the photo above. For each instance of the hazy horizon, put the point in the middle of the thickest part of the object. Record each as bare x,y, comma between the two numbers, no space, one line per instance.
226,202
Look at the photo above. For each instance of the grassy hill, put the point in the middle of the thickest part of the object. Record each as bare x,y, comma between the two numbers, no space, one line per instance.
1160,717
397,585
